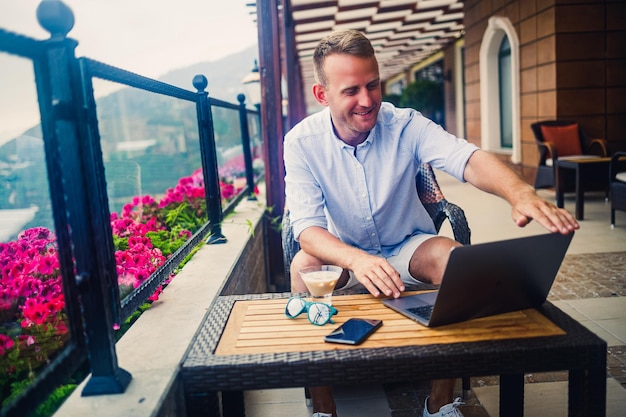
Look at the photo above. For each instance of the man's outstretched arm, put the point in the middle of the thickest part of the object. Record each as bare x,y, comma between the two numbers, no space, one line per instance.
488,173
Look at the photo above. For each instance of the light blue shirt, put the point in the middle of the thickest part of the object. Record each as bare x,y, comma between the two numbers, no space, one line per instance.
367,198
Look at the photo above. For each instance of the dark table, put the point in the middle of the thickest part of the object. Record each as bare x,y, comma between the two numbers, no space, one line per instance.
246,343
586,170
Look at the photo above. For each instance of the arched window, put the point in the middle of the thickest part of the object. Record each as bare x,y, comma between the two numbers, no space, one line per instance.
504,85
499,89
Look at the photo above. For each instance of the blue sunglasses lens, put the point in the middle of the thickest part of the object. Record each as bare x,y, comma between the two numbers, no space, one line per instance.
295,306
318,313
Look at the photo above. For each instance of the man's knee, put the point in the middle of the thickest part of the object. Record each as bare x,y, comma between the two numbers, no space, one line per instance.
429,260
300,260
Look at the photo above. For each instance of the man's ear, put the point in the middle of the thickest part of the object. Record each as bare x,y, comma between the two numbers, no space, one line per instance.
320,94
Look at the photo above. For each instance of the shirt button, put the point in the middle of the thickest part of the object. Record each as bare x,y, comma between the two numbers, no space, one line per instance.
368,218
373,234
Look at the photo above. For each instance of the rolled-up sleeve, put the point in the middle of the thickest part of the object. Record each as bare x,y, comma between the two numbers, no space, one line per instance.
303,195
443,150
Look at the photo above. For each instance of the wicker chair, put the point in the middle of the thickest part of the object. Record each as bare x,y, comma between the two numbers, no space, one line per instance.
435,204
567,140
617,184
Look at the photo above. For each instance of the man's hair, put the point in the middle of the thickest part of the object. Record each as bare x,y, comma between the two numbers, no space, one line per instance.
351,42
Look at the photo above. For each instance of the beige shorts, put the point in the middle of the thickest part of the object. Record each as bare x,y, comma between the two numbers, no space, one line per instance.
399,261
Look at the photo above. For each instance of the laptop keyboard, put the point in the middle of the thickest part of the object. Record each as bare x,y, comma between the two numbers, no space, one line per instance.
422,311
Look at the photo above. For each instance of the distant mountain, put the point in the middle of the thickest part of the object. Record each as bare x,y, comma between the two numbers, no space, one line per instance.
138,129
224,75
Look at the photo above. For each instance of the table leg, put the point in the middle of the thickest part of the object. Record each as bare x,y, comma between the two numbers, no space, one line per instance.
580,195
233,404
206,404
559,187
587,392
512,395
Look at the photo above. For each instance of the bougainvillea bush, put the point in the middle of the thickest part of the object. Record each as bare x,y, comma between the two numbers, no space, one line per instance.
33,323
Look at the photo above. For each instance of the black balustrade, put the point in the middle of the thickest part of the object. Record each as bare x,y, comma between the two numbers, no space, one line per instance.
80,200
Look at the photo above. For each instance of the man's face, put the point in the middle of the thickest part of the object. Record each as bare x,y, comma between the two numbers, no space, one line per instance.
352,93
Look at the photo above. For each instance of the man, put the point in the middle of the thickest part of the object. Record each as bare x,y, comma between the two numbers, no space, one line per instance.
350,188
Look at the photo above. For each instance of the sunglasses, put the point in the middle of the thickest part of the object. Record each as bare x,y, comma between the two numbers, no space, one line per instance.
318,313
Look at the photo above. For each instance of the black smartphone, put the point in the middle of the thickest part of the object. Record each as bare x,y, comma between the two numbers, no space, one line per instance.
353,331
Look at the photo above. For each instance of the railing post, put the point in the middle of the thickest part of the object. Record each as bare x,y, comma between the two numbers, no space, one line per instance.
245,140
67,134
209,161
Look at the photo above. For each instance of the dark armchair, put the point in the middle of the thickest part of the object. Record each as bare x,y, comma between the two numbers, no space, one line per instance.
617,184
558,139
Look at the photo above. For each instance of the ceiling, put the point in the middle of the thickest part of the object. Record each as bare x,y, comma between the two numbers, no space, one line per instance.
403,32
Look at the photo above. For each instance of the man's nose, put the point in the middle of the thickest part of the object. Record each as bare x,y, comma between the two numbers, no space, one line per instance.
365,98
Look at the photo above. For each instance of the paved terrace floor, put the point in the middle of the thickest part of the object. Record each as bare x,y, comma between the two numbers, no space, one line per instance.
590,287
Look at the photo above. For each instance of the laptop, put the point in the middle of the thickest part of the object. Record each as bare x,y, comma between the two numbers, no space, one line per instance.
489,278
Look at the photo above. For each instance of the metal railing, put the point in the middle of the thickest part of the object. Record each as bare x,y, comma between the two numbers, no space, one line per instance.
81,173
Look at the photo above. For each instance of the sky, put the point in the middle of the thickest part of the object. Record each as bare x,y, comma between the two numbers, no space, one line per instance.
149,37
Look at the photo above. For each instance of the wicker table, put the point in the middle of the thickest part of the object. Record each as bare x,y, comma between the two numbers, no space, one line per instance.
246,343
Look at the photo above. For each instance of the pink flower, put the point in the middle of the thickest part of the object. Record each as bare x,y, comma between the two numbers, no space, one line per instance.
6,343
156,294
34,313
127,279
55,305
61,327
47,265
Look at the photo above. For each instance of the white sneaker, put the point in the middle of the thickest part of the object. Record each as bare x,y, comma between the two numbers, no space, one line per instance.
448,410
321,415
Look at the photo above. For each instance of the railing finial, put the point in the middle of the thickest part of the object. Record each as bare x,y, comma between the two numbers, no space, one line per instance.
200,82
241,98
55,17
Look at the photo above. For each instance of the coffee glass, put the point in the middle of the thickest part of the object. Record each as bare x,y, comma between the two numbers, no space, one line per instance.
321,281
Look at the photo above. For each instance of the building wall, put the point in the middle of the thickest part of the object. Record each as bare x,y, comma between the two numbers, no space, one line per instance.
449,90
572,63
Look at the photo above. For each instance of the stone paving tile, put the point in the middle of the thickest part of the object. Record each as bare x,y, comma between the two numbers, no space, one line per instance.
590,275
594,275
616,363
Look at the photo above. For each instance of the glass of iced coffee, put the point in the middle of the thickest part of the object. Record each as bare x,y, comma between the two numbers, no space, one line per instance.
321,281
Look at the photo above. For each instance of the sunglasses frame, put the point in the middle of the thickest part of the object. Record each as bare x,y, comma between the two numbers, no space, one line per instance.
306,306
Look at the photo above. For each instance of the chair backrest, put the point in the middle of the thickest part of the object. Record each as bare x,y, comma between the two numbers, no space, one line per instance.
427,186
617,167
566,135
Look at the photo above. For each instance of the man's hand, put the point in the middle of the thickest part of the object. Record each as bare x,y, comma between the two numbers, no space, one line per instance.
377,275
374,272
530,206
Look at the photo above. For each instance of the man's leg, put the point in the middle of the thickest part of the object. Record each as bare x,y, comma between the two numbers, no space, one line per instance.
302,260
429,260
441,393
428,264
323,400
